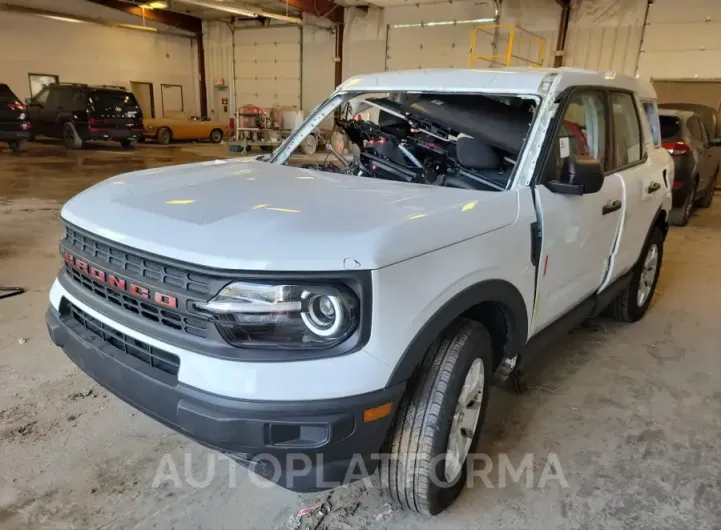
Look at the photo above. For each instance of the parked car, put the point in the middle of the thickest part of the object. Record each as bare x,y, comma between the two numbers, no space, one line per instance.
696,170
166,130
708,115
305,319
14,124
79,113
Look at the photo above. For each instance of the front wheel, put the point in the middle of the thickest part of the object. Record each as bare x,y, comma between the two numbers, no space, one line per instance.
439,421
164,136
634,300
17,146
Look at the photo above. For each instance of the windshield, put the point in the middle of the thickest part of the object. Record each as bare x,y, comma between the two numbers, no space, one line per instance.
467,141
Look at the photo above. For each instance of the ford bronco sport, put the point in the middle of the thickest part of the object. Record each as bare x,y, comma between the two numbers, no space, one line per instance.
361,305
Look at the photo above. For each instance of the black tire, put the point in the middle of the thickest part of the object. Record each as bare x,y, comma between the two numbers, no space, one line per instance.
626,307
17,146
71,140
164,136
681,216
708,198
216,136
128,144
422,425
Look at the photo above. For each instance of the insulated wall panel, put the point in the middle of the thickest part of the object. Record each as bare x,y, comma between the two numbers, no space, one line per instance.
268,66
682,40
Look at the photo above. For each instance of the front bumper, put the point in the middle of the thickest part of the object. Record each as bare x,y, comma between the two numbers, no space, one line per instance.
300,445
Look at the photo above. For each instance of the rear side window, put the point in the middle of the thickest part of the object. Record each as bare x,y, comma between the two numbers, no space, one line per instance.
628,142
670,127
695,128
106,99
651,112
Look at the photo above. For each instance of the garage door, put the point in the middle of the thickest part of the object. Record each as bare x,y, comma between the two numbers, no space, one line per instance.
433,46
267,66
682,40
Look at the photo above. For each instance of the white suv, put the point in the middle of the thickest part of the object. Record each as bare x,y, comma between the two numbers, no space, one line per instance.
307,320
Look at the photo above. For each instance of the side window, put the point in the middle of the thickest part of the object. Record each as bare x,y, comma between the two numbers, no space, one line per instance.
695,127
582,132
42,96
53,97
628,142
704,132
651,111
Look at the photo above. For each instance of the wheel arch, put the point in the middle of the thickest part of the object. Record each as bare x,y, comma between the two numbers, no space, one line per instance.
497,304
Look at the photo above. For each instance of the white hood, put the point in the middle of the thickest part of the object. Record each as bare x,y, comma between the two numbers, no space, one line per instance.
246,215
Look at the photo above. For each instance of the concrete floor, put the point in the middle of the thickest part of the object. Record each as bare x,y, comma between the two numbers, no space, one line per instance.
633,412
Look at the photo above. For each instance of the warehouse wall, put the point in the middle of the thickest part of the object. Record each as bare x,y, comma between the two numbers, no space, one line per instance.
373,44
281,64
94,54
606,35
682,40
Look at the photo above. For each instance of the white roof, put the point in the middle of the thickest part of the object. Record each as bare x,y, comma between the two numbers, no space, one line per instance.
493,80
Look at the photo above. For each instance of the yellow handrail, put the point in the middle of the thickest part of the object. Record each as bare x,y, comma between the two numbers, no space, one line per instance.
513,38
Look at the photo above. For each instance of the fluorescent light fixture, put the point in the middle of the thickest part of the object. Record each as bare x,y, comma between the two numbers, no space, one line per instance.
445,23
63,19
242,10
135,26
157,4
221,7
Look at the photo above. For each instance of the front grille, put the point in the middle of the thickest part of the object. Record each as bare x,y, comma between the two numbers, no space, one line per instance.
166,317
155,357
154,270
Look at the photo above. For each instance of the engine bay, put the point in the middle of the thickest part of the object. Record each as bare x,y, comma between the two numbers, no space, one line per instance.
458,141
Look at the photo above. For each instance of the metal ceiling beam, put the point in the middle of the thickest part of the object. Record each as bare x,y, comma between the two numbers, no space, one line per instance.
169,18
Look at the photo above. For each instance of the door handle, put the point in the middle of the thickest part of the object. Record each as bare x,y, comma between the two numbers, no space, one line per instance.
611,207
654,186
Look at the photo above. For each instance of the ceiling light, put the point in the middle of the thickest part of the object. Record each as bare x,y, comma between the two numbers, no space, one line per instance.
221,7
156,4
63,19
445,23
135,26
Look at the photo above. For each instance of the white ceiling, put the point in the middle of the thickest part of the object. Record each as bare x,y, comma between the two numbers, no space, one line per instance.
394,3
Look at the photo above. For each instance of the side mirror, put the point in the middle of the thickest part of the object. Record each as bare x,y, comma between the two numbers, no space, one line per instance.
715,142
579,175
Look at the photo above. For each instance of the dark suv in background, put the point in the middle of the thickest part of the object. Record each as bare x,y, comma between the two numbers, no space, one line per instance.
14,125
79,113
686,137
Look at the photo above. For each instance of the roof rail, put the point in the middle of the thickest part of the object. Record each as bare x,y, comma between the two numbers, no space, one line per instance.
68,84
117,87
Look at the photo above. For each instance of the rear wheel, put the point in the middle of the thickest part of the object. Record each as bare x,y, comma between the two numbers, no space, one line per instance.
439,421
708,198
164,136
129,144
71,140
216,136
681,216
634,300
17,146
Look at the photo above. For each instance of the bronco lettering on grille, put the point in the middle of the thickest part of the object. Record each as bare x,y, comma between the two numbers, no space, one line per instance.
132,289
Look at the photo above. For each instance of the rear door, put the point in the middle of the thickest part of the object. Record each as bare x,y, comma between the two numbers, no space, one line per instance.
579,232
702,146
117,109
11,108
642,165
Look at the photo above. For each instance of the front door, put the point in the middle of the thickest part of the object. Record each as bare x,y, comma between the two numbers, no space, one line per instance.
579,232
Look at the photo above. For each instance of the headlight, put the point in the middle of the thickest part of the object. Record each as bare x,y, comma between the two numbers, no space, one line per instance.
284,316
